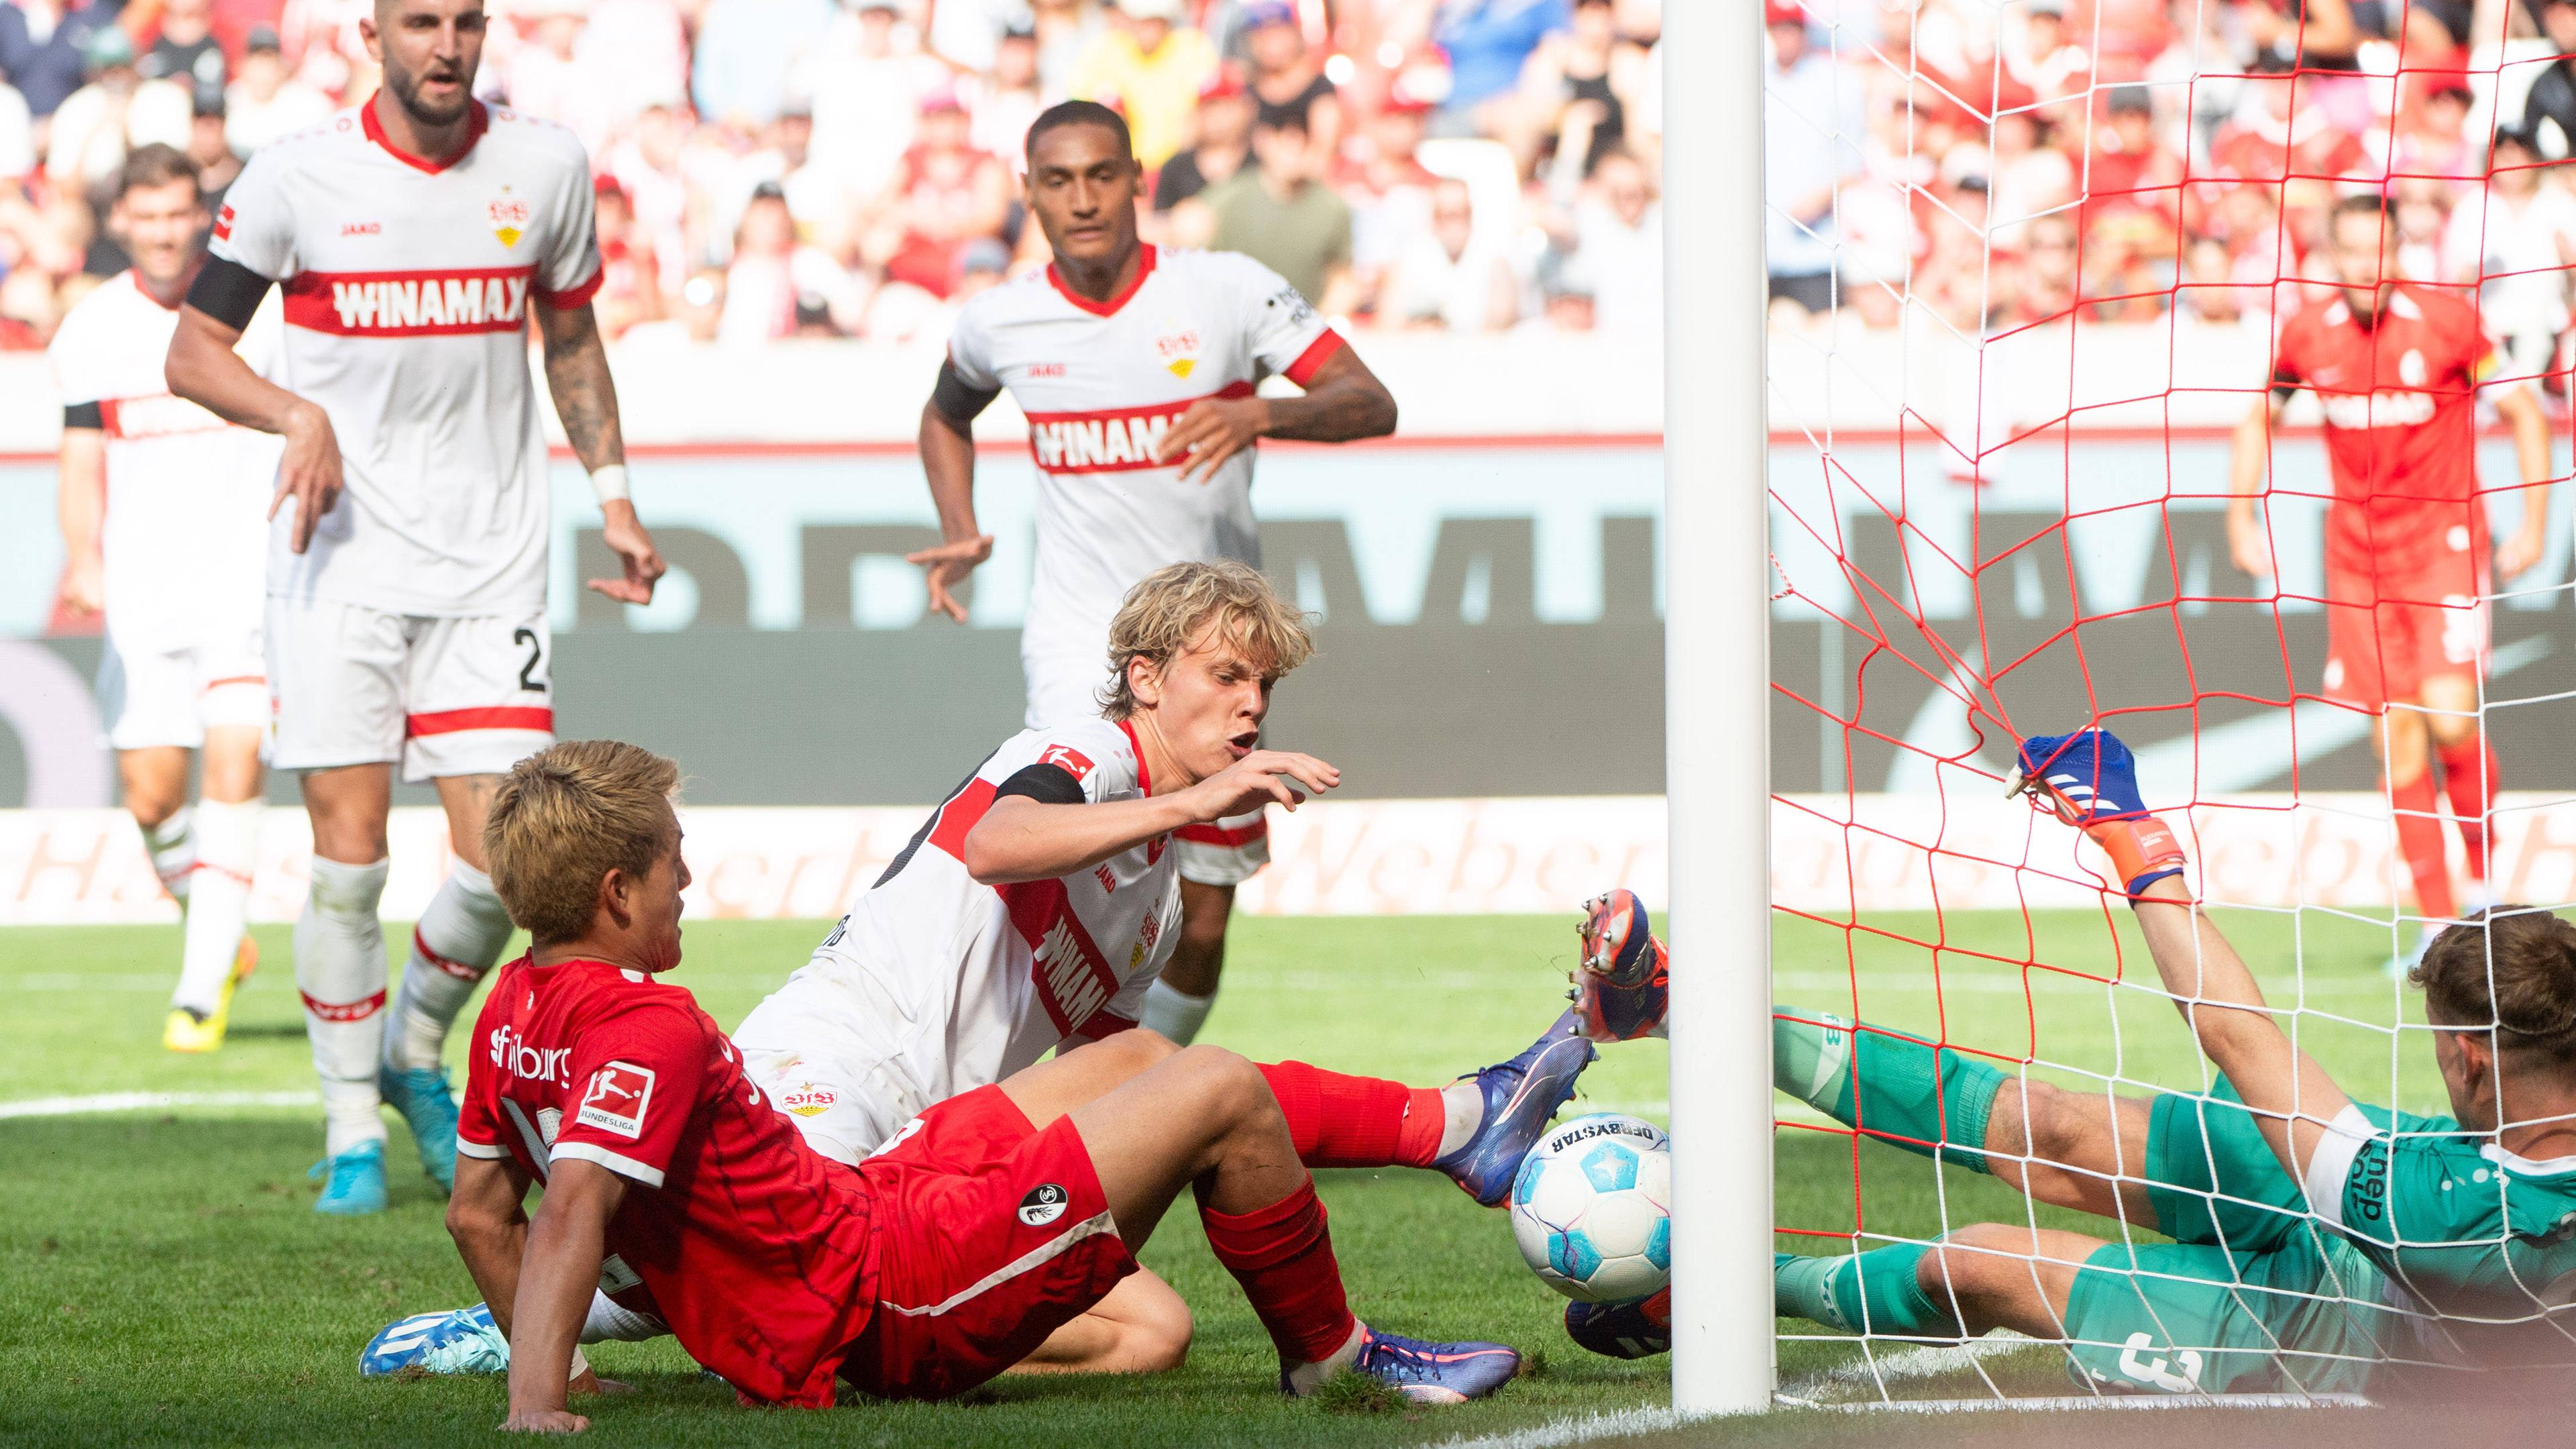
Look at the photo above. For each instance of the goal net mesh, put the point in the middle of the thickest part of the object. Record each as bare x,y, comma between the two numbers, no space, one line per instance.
2030,265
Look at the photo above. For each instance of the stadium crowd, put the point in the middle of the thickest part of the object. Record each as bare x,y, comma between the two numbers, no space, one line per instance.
775,168
2010,163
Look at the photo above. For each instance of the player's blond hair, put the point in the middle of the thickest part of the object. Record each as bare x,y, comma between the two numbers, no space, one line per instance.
564,818
1174,606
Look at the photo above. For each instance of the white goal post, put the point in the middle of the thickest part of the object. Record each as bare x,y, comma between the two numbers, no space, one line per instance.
1717,768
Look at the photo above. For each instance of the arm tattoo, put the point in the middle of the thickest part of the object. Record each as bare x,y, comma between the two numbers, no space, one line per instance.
585,395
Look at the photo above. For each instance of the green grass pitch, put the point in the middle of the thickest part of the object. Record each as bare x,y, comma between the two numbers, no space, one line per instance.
162,1279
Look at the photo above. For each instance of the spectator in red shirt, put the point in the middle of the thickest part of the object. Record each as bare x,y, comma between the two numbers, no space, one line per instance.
1288,83
630,285
945,195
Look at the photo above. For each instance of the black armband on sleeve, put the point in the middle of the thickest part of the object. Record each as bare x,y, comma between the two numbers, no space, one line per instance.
84,415
1046,784
228,292
956,400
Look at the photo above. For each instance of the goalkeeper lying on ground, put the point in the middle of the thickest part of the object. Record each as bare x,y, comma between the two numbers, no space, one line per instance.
2316,1239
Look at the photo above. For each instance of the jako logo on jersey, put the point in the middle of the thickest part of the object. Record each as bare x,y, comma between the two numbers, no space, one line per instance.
512,1054
362,228
619,1093
808,1100
1045,1203
2352,411
1114,441
1044,369
1065,757
409,304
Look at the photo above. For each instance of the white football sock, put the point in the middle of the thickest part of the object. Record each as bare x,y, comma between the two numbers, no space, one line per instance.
607,1322
460,934
340,969
173,845
1174,1012
1463,1104
227,850
1305,1378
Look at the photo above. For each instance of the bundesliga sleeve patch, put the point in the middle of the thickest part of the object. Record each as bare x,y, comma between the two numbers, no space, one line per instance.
618,1096
1068,759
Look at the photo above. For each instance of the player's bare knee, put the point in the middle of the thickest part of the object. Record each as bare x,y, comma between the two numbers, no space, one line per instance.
1157,1338
1230,1091
1142,1049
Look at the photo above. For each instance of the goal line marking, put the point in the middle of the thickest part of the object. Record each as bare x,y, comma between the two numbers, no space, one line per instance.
151,1102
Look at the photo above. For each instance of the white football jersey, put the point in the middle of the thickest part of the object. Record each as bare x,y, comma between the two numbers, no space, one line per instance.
186,530
948,984
407,286
1101,383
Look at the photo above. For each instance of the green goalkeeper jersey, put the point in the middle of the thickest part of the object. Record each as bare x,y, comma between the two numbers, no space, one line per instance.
2480,1238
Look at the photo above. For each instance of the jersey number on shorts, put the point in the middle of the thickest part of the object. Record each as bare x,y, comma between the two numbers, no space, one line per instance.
536,652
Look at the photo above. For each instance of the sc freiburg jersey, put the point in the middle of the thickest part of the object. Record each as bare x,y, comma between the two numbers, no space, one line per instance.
187,493
951,984
1101,383
758,1251
407,285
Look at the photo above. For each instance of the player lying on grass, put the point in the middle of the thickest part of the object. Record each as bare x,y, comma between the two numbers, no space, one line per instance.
992,1220
2316,1239
1029,914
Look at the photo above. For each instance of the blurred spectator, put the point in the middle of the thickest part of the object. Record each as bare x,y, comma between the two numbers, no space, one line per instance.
640,51
867,80
1389,191
1812,125
2131,181
2047,62
1448,277
264,102
1224,144
1279,214
2548,112
900,314
1287,83
945,196
969,34
778,287
554,78
2207,290
186,50
17,135
1065,29
208,150
43,45
1571,93
1565,303
117,109
2515,238
630,277
1150,67
1489,42
1616,235
646,165
1005,99
739,72
28,311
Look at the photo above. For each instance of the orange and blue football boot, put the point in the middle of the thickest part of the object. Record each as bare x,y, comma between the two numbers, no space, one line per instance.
1620,987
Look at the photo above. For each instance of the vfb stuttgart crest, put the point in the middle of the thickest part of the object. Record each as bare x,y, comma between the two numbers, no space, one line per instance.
1180,351
509,218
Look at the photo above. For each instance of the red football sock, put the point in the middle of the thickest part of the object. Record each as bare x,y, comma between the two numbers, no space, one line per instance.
1342,1121
2469,778
1283,1256
2419,839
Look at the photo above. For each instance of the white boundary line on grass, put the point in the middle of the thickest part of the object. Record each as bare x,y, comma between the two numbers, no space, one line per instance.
1583,1429
151,1102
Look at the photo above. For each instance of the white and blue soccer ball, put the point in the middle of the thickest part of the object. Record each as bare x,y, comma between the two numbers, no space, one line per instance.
1592,1209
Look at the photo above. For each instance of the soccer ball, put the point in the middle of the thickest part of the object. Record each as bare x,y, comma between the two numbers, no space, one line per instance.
1592,1209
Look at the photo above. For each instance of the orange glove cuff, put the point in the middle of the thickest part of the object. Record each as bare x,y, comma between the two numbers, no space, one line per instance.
2142,849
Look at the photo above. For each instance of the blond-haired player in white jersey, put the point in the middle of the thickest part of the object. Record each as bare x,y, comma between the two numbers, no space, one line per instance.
1136,367
161,504
413,237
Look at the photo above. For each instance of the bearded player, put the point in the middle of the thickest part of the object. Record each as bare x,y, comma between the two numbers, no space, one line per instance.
413,237
2409,567
161,505
1029,914
1135,366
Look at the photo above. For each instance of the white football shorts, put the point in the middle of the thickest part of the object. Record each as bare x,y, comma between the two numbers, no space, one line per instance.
825,1047
162,697
1066,684
443,696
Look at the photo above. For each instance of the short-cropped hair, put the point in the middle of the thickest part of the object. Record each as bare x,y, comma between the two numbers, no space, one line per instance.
1167,612
156,164
2514,969
564,818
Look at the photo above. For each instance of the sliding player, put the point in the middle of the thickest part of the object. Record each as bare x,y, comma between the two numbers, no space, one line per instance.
952,1253
161,524
413,237
1030,912
1135,366
2316,1238
2396,368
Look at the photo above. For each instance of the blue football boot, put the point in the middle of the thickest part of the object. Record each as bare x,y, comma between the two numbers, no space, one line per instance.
1521,1096
1430,1373
1640,1329
455,1341
420,1094
1621,987
353,1182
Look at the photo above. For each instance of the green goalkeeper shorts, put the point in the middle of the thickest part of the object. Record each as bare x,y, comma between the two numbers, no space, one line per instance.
2305,1316
2214,1180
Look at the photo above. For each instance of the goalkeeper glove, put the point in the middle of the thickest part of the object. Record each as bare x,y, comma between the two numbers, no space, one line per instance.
2090,780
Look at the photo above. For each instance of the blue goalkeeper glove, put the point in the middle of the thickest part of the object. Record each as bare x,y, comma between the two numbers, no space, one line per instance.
2090,780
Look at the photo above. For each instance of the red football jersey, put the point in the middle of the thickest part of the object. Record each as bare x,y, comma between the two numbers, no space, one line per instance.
2400,398
757,1249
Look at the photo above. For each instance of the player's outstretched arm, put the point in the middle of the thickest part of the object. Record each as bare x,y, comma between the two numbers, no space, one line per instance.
948,461
203,368
81,504
586,402
1344,402
2520,408
2249,459
556,1276
1022,838
488,1220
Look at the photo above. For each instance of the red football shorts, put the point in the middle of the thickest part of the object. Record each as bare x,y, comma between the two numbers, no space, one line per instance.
991,1235
2389,630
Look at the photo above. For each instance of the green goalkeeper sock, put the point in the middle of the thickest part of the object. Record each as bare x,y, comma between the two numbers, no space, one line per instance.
1875,1292
1917,1095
